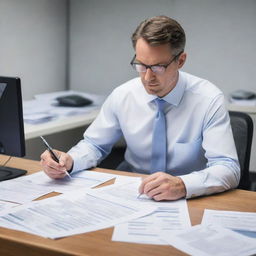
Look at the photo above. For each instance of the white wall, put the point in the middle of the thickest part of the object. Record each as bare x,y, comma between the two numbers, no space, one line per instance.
33,44
221,39
90,49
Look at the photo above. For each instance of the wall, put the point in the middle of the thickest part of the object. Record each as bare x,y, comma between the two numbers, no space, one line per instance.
221,39
85,44
33,44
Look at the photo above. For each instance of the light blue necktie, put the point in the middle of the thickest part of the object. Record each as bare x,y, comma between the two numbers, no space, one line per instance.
159,145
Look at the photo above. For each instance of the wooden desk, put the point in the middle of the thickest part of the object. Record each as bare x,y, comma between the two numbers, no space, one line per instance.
99,242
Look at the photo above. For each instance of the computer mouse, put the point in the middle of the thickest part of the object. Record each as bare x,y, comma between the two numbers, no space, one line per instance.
73,101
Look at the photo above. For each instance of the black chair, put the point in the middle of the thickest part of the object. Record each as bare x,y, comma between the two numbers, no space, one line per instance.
242,127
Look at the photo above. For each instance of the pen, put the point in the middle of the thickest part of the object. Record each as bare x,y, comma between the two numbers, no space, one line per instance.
139,195
54,156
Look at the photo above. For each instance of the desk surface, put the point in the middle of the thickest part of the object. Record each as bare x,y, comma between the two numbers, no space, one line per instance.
99,242
241,108
62,124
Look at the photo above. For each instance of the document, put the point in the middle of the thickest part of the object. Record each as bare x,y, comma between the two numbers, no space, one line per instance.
210,240
36,112
39,184
71,213
243,222
168,216
44,107
6,205
81,179
124,191
121,179
20,192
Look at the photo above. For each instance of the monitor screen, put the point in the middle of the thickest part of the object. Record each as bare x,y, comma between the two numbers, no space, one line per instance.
12,140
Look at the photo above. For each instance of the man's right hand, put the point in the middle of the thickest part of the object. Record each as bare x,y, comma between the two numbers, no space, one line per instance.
53,169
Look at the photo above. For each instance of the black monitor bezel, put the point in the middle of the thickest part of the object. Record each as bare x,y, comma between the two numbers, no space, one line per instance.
15,84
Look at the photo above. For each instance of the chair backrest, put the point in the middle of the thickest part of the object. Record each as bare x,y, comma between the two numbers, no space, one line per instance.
242,127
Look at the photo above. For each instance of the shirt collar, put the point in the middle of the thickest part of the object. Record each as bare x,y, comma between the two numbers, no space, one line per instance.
174,96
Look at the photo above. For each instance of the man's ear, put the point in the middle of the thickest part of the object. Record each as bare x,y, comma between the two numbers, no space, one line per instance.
182,60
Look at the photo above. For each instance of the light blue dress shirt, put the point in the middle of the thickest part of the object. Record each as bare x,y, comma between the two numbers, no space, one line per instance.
200,144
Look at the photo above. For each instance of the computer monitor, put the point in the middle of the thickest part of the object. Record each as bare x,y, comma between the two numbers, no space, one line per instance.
12,141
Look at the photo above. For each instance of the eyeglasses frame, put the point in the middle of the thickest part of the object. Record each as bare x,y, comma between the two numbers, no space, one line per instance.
159,65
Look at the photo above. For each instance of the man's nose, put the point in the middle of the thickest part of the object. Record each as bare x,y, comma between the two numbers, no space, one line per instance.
149,75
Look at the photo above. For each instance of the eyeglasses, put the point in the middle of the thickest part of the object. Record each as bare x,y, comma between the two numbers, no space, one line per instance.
157,69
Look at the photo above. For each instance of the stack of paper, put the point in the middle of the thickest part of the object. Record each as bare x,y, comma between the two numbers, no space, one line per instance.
43,108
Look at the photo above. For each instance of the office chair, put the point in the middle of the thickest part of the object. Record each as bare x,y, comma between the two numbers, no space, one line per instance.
242,127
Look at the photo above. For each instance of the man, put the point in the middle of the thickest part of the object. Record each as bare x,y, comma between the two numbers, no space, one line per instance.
190,153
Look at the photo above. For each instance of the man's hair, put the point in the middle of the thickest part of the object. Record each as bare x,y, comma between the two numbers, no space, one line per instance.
160,30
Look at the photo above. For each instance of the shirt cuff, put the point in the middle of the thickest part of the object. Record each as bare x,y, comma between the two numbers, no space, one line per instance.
193,183
82,163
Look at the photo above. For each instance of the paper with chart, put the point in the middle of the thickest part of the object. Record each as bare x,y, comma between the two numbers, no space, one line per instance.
71,213
242,222
231,219
168,216
210,240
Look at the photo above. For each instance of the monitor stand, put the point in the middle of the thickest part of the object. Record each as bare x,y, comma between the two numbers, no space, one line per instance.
7,173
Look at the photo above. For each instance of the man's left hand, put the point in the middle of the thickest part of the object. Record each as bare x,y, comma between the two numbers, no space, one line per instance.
163,186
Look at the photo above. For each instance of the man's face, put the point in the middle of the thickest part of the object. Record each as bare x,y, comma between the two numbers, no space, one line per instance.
156,84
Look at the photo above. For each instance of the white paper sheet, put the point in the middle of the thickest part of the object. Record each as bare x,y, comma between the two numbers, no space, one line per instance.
242,222
169,216
211,241
127,191
6,205
70,214
81,179
20,192
230,219
38,184
121,179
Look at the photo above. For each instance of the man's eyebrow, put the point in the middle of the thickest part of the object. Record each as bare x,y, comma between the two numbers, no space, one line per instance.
157,64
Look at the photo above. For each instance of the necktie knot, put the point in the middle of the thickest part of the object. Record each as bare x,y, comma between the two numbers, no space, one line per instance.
160,103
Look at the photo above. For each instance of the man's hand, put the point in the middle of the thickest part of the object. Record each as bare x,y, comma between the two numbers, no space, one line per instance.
53,169
163,186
